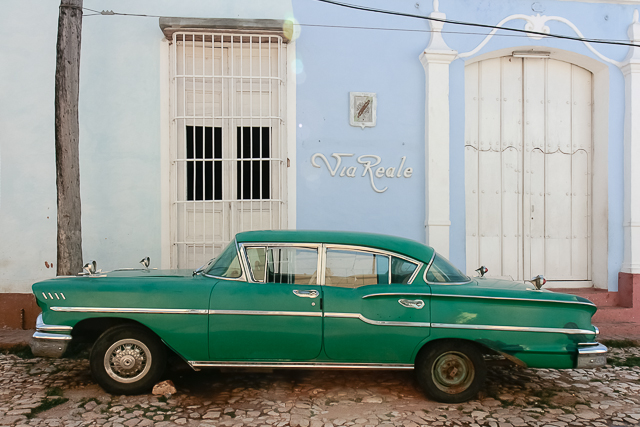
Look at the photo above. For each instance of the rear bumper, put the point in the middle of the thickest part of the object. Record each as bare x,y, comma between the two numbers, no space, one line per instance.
50,340
591,355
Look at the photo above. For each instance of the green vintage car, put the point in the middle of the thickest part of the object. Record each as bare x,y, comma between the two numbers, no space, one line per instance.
315,299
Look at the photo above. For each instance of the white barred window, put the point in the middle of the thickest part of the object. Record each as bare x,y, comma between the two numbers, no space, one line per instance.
228,149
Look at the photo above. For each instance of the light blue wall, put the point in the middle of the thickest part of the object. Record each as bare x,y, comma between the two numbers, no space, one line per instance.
337,61
120,121
120,128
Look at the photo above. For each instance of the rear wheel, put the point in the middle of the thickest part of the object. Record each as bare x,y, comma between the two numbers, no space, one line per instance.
451,371
127,359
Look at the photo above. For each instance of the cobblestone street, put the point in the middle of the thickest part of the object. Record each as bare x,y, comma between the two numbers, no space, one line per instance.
56,393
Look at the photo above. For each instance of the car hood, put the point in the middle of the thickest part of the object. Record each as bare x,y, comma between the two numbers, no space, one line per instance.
141,272
133,273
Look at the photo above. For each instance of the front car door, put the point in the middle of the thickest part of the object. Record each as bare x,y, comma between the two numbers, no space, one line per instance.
274,312
374,312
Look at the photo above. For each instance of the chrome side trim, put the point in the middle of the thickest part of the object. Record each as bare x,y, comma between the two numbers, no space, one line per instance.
512,299
46,336
513,328
396,294
268,313
597,330
129,310
43,327
376,322
306,365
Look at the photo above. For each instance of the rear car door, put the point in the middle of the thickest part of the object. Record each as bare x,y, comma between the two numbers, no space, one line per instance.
372,311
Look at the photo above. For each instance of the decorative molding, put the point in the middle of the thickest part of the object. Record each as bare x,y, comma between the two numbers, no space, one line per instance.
537,23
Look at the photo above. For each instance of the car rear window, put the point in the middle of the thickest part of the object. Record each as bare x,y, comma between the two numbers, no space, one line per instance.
442,271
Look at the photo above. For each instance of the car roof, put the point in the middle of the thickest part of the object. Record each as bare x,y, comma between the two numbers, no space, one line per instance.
400,245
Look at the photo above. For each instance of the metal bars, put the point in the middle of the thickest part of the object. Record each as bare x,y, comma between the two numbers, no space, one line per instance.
228,145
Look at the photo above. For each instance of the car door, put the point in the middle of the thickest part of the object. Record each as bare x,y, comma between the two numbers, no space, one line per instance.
274,313
371,312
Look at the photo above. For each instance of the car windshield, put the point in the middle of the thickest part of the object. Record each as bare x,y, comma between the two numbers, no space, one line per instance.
442,271
227,264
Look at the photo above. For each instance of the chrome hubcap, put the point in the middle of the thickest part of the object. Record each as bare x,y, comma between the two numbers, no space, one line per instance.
127,360
452,372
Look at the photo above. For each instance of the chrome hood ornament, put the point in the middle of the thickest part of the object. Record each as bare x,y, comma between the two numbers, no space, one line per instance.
538,281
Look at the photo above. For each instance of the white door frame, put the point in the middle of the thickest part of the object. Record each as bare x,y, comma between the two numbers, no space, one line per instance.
600,134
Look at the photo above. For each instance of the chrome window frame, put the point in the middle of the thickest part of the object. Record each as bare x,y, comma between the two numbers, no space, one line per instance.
426,270
321,249
374,251
245,258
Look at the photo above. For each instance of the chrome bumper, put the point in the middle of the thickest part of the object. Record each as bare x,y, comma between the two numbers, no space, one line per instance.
50,340
591,355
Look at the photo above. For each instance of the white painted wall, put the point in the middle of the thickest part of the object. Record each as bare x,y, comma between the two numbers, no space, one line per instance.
120,130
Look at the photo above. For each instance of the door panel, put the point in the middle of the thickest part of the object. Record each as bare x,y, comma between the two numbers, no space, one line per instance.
278,319
354,339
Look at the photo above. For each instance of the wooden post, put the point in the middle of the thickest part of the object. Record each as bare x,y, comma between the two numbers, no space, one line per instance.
67,136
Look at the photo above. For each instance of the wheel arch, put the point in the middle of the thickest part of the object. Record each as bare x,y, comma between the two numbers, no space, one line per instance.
424,347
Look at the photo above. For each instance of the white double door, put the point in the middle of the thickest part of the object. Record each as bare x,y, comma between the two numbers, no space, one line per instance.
528,156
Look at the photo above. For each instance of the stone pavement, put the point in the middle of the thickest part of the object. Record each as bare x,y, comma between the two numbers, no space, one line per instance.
60,393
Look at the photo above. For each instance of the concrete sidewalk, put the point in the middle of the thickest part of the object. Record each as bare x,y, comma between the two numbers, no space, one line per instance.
14,338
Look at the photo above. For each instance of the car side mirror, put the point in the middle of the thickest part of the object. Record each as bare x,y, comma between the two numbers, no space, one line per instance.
89,268
145,262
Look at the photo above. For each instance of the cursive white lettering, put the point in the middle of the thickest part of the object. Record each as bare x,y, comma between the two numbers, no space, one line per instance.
369,163
337,156
367,169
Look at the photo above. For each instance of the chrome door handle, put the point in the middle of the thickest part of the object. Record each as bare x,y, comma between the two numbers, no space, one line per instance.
306,294
411,303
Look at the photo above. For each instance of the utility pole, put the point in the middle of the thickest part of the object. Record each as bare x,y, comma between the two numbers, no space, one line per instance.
67,138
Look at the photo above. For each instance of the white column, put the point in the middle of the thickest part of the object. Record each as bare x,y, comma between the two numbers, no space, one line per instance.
631,224
435,60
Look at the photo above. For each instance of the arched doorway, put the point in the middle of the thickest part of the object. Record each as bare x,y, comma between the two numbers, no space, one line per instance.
528,161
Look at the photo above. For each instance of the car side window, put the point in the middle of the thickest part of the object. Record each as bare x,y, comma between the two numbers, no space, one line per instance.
352,269
402,270
257,257
442,271
292,265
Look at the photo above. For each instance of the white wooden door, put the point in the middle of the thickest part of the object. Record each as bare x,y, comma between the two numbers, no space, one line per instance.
528,168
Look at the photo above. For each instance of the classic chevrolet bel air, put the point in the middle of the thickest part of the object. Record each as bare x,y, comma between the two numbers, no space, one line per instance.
315,299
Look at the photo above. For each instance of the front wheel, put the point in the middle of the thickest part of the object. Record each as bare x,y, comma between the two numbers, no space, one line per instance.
451,372
127,359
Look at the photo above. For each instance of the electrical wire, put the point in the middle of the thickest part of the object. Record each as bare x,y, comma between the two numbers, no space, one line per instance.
472,24
415,30
524,33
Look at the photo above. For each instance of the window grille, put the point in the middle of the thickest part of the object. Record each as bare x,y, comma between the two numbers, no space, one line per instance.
228,146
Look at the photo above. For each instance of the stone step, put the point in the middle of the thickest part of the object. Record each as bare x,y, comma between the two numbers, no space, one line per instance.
616,314
600,297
